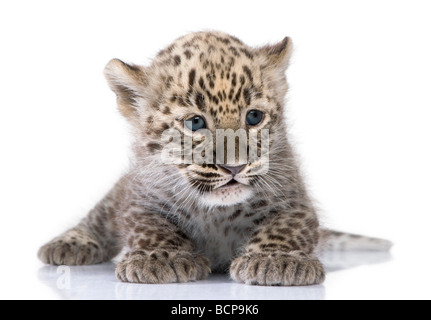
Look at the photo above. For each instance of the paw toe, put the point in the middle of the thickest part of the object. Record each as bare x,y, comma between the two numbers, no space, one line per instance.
277,269
61,252
160,267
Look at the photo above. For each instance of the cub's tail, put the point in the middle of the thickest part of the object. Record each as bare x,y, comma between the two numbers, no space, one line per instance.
340,241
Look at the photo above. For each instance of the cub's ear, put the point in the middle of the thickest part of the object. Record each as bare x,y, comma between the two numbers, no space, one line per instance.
278,55
128,82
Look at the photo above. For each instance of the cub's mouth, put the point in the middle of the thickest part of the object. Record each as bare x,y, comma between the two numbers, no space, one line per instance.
230,193
232,182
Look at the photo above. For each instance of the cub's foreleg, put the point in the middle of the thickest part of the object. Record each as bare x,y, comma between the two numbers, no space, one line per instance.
160,251
280,252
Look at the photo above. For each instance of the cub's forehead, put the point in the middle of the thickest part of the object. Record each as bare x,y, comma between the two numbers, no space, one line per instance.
212,71
201,45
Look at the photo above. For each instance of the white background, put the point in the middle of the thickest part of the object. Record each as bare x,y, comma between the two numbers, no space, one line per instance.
359,112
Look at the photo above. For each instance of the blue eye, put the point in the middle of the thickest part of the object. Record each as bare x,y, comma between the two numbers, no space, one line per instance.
195,123
254,117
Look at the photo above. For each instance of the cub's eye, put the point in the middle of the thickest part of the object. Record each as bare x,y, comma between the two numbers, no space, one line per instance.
195,123
254,117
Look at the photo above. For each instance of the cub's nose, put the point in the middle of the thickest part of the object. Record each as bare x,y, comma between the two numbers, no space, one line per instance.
233,170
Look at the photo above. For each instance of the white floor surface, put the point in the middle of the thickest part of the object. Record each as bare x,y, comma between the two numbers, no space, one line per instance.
351,275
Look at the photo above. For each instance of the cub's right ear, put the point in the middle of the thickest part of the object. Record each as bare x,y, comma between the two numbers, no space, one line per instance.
128,82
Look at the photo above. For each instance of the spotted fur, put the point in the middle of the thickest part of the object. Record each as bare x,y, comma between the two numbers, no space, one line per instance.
181,220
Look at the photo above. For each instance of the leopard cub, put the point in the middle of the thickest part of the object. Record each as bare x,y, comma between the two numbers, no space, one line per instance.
191,202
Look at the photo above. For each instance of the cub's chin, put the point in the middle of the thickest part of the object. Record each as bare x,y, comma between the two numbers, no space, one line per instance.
227,195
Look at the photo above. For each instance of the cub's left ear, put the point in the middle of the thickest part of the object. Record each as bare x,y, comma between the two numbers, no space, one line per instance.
278,55
128,82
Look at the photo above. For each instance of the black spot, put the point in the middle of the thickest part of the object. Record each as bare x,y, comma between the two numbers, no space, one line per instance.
234,79
294,245
223,40
209,95
192,76
231,92
188,54
247,53
248,73
255,240
152,146
258,221
276,237
200,101
247,97
298,215
159,131
202,83
235,215
234,51
238,95
177,60
259,204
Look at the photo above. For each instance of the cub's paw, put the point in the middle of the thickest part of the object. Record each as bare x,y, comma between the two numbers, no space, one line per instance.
71,251
161,266
277,269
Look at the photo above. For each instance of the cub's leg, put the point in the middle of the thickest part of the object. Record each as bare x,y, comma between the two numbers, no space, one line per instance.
280,252
94,240
160,251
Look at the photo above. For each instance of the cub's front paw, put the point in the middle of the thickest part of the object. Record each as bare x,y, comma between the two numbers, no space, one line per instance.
272,269
161,266
71,251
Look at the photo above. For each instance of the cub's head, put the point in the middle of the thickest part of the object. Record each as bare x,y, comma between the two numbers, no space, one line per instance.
208,115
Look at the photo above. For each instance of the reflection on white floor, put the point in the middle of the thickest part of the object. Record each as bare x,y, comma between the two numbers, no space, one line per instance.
99,282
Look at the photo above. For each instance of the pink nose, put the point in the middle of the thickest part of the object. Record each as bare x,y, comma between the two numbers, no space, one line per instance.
233,170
